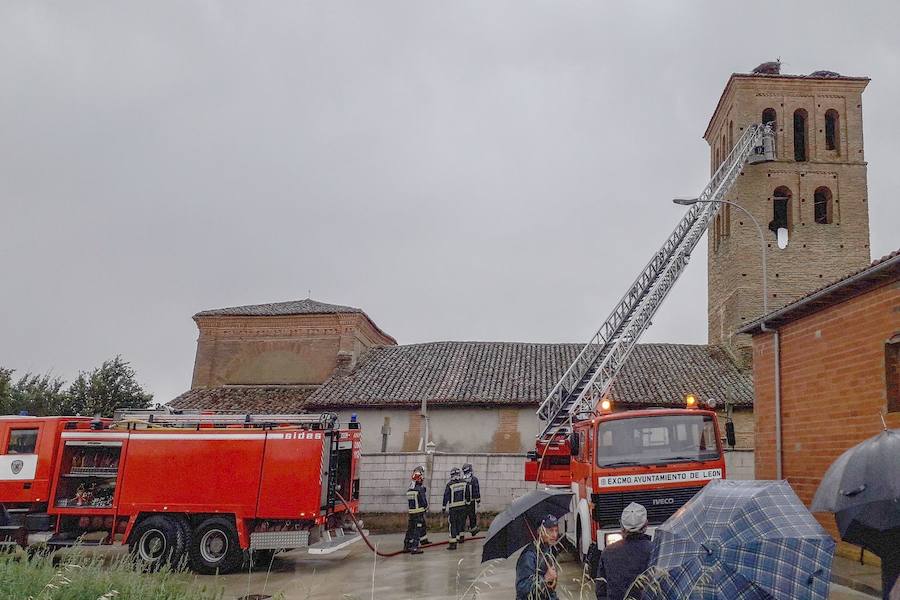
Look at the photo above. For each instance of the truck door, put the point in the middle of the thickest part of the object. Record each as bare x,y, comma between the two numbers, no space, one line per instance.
19,462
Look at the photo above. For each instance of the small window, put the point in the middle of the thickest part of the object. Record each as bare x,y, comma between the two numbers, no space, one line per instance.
800,135
822,206
731,134
781,209
769,117
22,441
832,130
892,373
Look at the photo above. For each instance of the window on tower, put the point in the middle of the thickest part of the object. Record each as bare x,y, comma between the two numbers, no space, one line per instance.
832,130
781,209
822,206
769,117
800,135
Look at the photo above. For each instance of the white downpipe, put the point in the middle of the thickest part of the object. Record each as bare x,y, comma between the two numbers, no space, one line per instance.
776,342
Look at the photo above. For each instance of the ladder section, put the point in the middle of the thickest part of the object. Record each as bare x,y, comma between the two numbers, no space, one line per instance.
591,374
168,418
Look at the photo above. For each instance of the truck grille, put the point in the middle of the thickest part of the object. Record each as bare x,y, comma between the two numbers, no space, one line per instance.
608,507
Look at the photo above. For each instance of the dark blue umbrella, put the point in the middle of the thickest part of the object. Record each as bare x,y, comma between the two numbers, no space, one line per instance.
741,540
862,489
518,524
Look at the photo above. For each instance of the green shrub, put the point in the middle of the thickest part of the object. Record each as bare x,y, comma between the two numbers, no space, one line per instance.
76,577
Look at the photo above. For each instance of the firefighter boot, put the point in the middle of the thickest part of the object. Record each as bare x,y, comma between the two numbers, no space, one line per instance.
424,542
451,546
461,538
416,551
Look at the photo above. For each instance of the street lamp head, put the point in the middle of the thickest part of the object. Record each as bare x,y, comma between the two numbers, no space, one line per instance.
685,201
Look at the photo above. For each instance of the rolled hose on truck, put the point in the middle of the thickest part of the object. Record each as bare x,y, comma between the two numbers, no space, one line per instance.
388,554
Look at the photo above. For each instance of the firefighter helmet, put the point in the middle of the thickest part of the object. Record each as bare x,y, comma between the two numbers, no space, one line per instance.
467,469
455,473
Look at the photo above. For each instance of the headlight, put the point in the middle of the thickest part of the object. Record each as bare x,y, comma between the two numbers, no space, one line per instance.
611,538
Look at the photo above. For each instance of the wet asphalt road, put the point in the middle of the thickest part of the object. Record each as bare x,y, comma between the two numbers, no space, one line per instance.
437,574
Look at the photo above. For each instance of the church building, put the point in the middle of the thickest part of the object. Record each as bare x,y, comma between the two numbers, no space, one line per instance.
481,397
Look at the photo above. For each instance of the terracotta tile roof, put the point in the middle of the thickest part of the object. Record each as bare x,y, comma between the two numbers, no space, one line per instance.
274,309
506,373
876,274
274,399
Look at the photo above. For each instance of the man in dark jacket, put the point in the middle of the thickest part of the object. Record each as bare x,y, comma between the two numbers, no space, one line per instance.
622,562
472,508
417,501
536,568
457,495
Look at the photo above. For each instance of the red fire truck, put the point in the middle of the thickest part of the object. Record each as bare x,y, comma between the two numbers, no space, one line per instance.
208,490
658,457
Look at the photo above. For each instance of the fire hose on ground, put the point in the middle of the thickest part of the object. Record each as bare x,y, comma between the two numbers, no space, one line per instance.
389,554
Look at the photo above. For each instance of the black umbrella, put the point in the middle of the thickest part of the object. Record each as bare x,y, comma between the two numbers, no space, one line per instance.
862,489
518,524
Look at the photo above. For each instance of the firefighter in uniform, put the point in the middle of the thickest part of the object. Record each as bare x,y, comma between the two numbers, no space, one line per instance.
471,510
417,499
457,496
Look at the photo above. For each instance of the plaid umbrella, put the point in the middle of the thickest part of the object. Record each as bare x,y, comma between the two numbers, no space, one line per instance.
741,540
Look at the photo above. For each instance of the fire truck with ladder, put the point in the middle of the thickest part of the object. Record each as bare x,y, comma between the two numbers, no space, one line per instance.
657,457
206,490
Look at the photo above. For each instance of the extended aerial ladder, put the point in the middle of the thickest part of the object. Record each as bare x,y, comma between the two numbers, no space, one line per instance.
590,376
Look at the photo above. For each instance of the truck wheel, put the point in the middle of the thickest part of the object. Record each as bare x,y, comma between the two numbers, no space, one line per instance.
215,548
158,540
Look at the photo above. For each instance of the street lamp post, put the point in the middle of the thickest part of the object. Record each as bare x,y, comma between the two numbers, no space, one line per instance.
762,239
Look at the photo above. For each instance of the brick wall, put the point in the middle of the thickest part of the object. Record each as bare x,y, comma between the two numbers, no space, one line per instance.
385,478
288,349
833,387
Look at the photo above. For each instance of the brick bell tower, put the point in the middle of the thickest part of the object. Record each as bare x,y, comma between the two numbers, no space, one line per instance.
815,190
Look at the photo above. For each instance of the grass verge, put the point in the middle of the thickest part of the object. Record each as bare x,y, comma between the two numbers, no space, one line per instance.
75,577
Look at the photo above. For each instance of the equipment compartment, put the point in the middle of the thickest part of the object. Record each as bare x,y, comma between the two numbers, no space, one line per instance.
89,471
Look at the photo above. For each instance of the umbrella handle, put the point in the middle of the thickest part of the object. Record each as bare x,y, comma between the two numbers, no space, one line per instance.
854,492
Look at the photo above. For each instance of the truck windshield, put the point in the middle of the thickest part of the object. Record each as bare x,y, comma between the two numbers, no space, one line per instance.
655,440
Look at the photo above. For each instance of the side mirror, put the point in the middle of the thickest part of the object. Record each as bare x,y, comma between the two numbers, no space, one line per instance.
729,434
574,445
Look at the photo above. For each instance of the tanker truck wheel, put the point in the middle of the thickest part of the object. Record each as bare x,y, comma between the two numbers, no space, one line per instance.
215,548
158,540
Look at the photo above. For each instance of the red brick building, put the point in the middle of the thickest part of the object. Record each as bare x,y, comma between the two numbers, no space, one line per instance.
831,360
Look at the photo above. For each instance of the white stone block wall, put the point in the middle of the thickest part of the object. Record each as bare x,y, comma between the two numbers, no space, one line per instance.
739,464
384,479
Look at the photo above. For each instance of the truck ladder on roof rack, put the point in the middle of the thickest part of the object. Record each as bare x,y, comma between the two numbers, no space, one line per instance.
590,376
190,418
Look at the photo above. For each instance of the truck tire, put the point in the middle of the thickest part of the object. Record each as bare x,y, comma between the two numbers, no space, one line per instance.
215,548
158,540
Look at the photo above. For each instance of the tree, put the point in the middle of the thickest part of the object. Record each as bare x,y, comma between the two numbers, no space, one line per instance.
105,389
38,395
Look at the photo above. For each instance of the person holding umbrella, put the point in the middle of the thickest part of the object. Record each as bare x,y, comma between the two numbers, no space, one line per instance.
530,522
862,489
536,573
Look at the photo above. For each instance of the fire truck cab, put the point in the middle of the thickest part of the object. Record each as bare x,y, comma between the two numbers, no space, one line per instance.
659,458
202,489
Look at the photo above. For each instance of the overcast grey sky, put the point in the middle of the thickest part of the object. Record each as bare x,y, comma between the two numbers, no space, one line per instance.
461,171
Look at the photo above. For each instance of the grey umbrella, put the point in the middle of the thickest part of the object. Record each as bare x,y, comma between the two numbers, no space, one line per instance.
516,526
862,489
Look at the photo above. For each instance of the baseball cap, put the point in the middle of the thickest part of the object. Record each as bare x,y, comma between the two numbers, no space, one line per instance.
634,517
550,521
